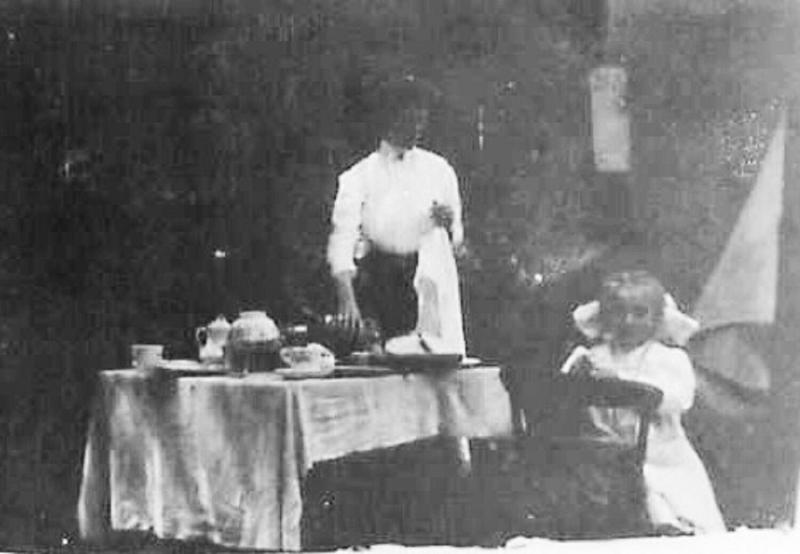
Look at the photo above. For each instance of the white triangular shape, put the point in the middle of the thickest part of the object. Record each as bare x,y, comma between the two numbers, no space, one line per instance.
743,286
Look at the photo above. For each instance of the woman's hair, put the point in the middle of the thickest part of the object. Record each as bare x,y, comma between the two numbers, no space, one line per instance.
639,283
395,96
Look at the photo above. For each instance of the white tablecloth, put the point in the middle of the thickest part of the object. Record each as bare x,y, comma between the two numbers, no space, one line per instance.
744,541
223,457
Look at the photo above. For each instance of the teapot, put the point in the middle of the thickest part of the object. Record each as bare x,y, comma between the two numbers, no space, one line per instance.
212,339
253,343
254,327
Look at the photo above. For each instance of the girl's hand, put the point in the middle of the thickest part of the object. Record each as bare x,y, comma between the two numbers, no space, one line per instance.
603,372
583,367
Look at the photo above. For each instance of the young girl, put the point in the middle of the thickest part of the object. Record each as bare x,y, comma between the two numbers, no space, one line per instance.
632,320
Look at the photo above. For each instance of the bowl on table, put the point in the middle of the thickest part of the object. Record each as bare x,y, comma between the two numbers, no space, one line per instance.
253,357
305,362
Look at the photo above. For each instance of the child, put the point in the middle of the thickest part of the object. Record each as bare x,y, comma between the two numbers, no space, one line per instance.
631,321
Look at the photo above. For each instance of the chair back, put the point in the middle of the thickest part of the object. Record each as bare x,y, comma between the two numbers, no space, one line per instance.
556,481
563,399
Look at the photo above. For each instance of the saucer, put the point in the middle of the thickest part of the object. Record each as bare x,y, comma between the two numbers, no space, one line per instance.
296,373
190,368
181,365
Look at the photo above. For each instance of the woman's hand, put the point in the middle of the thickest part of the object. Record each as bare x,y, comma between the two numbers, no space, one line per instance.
442,215
348,314
461,251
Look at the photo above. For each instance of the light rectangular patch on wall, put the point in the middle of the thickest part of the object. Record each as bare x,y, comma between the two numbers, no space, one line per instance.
611,138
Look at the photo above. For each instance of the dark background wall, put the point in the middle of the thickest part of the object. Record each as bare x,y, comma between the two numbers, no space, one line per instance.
708,82
219,125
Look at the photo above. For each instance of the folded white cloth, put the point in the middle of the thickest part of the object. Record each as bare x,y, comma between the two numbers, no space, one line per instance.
438,294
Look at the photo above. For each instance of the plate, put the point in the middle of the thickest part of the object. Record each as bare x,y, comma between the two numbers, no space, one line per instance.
362,371
470,361
293,373
420,362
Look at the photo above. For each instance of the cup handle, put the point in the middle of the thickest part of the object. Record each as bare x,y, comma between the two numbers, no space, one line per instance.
201,334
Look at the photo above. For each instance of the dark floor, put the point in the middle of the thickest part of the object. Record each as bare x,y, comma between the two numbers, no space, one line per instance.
412,495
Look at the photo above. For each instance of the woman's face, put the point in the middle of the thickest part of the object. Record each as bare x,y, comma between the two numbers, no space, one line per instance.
407,129
631,318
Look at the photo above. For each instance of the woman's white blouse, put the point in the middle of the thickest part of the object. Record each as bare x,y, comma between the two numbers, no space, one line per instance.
387,200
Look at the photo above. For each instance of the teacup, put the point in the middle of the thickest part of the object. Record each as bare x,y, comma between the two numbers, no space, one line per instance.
313,357
146,356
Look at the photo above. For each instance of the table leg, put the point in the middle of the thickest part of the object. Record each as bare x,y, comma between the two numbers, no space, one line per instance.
463,456
94,499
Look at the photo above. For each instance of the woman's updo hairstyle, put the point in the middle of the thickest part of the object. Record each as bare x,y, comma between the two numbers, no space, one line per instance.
394,96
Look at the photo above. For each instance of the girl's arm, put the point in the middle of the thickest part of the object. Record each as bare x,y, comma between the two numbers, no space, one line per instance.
671,372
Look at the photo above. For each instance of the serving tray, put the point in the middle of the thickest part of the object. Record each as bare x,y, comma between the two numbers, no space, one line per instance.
418,362
362,371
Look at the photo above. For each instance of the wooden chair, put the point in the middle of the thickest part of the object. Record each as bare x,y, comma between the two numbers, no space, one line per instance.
560,480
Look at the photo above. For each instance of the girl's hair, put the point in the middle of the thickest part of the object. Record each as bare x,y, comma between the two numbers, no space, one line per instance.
641,282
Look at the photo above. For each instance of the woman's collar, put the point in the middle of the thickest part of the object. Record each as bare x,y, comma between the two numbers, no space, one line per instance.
393,153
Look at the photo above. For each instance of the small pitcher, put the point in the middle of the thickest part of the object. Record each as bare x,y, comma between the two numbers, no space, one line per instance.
212,340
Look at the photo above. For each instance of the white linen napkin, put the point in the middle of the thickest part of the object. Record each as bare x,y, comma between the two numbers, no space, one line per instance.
438,294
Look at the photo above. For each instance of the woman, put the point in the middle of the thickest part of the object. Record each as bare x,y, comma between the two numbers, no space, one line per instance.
387,207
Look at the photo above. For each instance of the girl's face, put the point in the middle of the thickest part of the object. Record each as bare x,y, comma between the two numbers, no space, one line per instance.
631,318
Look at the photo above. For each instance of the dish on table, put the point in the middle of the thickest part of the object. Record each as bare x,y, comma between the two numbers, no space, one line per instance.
296,373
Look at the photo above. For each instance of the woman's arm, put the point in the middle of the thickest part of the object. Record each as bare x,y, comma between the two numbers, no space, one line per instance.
345,223
345,233
452,198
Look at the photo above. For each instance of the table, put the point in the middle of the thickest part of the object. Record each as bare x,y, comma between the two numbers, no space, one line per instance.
222,457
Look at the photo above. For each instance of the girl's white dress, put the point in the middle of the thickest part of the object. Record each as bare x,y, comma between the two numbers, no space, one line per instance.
679,492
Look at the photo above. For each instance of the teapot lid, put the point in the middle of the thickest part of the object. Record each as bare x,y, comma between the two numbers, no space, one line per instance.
253,313
219,323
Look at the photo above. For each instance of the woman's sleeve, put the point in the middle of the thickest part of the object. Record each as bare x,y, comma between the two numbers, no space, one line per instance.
346,222
672,372
453,199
